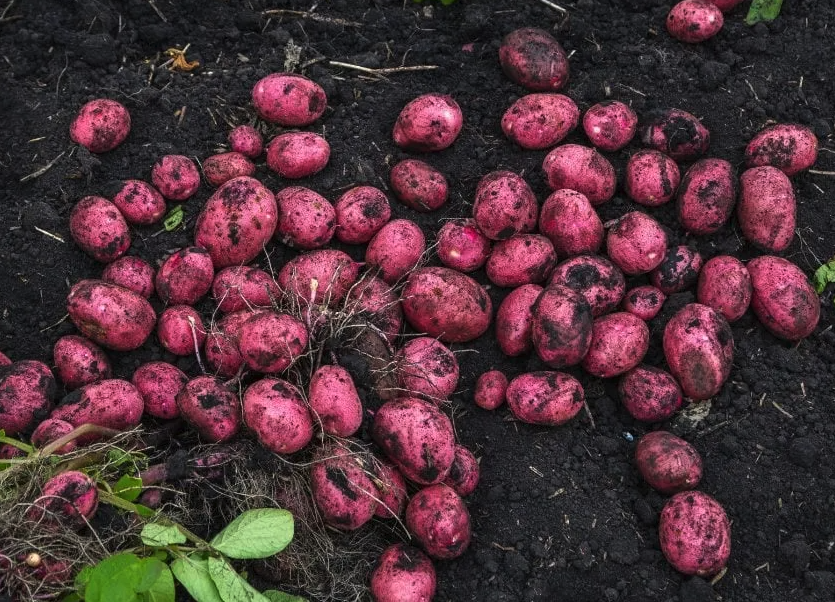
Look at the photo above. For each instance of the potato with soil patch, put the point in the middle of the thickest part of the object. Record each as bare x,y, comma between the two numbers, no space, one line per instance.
27,388
706,196
101,125
140,203
51,430
644,301
539,121
131,273
112,403
241,287
176,177
767,209
678,271
725,285
380,304
395,250
610,125
545,398
532,58
490,388
596,278
583,169
322,276
334,401
289,99
306,219
342,489
391,489
465,472
271,342
514,320
276,412
97,226
695,534
418,185
185,276
221,168
210,408
619,342
297,155
668,463
504,205
570,222
110,315
180,330
440,521
649,394
159,383
360,213
426,368
676,133
222,352
694,21
246,140
652,178
521,259
79,362
636,243
783,298
430,122
69,499
791,148
403,574
462,246
561,327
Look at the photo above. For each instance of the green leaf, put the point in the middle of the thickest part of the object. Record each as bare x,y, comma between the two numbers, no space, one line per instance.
157,535
173,219
193,573
144,511
763,10
256,534
161,588
128,487
119,457
150,572
73,597
83,578
274,595
115,578
824,275
230,585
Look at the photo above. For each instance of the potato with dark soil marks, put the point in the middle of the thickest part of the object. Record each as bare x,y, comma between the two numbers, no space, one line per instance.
246,140
271,342
539,121
321,276
678,271
403,574
110,315
222,352
418,185
79,362
545,398
27,389
334,401
391,488
159,383
296,155
426,368
380,304
133,273
695,534
570,222
707,196
668,463
694,21
97,226
504,205
219,169
610,125
465,472
242,287
462,246
532,58
676,133
360,213
790,148
514,320
210,408
583,169
652,178
521,259
185,276
644,301
636,243
619,342
101,125
112,403
51,430
490,389
342,489
276,412
430,122
306,219
69,499
725,285
395,249
440,521
180,330
783,298
649,394
561,328
596,278
140,203
289,99
767,209
176,177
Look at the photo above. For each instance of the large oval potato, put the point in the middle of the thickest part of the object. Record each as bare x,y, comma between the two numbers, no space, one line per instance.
547,398
695,534
276,412
97,226
101,125
79,362
430,122
112,403
725,285
532,57
27,388
538,121
110,315
427,369
306,219
583,169
395,249
667,463
767,209
418,185
439,520
289,99
341,488
561,329
185,276
297,155
652,178
790,148
610,125
783,298
694,21
706,196
210,408
649,394
521,259
462,246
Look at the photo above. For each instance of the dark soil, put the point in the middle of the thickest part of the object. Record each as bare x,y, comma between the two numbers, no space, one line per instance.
560,513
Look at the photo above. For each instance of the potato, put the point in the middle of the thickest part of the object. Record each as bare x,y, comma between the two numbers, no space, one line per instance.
380,303
667,463
27,389
504,205
644,301
636,243
110,315
652,178
583,169
4,360
545,398
395,250
427,369
403,574
69,499
288,99
271,342
334,401
240,287
521,259
222,352
79,362
561,327
306,220
464,474
236,222
180,330
341,488
706,196
176,177
101,125
139,203
133,273
159,383
694,21
725,5
319,276
418,185
675,133
791,148
360,213
649,394
695,534
596,278
246,140
275,410
446,304
462,246
430,122
610,125
767,209
619,342
678,271
185,276
391,489
514,320
699,347
111,403
532,58
783,299
725,285
225,166
51,430
440,521
97,226
297,155
539,121
490,389
570,222
210,408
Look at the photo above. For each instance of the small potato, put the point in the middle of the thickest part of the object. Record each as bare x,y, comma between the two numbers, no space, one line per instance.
675,133
289,99
667,463
783,298
246,140
678,271
159,383
341,488
462,246
706,196
440,521
652,178
767,209
594,277
695,534
403,574
132,273
275,410
791,148
546,398
464,475
418,185
297,155
101,125
726,5
636,243
176,177
112,403
430,122
391,487
694,21
222,352
4,360
360,213
619,342
271,342
396,249
69,499
241,287
50,430
490,389
306,219
532,58
319,276
504,205
334,401
561,328
140,203
427,369
225,166
725,285
180,330
27,389
210,408
650,394
79,362
514,320
521,259
97,226
610,125
110,315
539,121
644,301
570,222
380,303
582,169
185,276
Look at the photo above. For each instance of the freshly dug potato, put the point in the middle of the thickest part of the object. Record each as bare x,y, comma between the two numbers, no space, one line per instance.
650,394
521,259
319,276
418,185
271,342
297,155
791,148
667,463
210,408
427,369
403,574
306,219
222,352
430,122
532,58
490,389
221,168
101,125
70,498
380,303
246,140
636,243
446,304
675,133
275,411
51,430
610,125
725,285
583,169
678,271
783,298
440,521
133,273
652,178
695,534
570,222
288,99
176,177
341,489
7,452
185,276
546,398
140,203
706,196
396,249
504,205
110,315
4,360
112,403
79,362
694,21
334,401
180,330
726,5
539,121
767,209
462,246
159,383
97,226
644,301
619,342
27,389
594,277
360,213
561,327
699,347
241,287
465,472
514,320
391,489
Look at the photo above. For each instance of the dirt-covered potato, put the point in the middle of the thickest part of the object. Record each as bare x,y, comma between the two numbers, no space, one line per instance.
725,285
426,368
594,277
668,463
391,487
101,125
532,58
271,342
790,148
140,203
726,5
133,273
676,133
514,320
27,389
561,327
490,389
570,222
4,359
79,362
306,219
97,226
360,213
51,430
783,298
222,352
430,122
695,534
241,287
678,271
221,168
636,243
539,121
395,249
644,301
341,488
649,394
180,330
325,275
465,472
462,246
379,303
159,383
583,169
610,125
334,401
111,403
694,21
504,205
246,140
706,196
176,177
440,521
297,155
185,276
619,342
418,185
68,499
289,99
403,574
275,411
210,408
521,259
110,315
652,178
767,209
546,398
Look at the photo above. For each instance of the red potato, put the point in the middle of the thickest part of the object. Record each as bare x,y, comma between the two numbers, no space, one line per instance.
180,330
583,169
652,178
504,205
644,301
619,342
561,327
695,534
490,389
783,298
185,276
176,177
360,213
27,388
275,411
110,315
675,133
694,21
678,271
545,398
514,320
70,498
246,140
791,148
570,222
532,58
636,243
465,472
236,222
101,125
725,285
699,347
297,155
271,342
323,276
706,196
462,246
539,121
241,287
51,430
380,303
222,352
395,250
650,394
210,408
112,403
140,203
306,219
667,463
159,383
7,452
726,5
334,401
97,226
430,122
521,259
446,304
391,489
767,209
341,489
427,369
133,273
610,125
596,278
223,167
79,362
403,574
289,99
418,185
4,360
440,521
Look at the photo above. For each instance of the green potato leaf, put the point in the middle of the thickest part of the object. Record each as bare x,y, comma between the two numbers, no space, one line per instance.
256,534
763,10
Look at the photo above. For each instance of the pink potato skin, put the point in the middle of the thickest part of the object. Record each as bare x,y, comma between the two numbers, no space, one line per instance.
561,327
694,21
341,489
176,177
783,298
27,389
132,273
275,411
210,408
430,122
159,383
667,463
50,430
679,270
726,5
490,389
69,498
297,155
236,222
532,58
380,303
440,521
110,315
725,285
514,320
767,209
649,394
706,196
225,166
675,133
418,185
583,169
596,278
289,99
427,369
241,287
140,203
306,219
4,360
185,276
178,327
610,125
97,226
545,398
446,304
391,487
334,401
570,222
791,148
112,403
644,301
271,342
246,140
504,205
521,259
695,534
333,271
652,178
699,347
403,574
360,213
465,472
636,243
79,362
539,121
101,125
222,352
619,342
395,250
462,246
